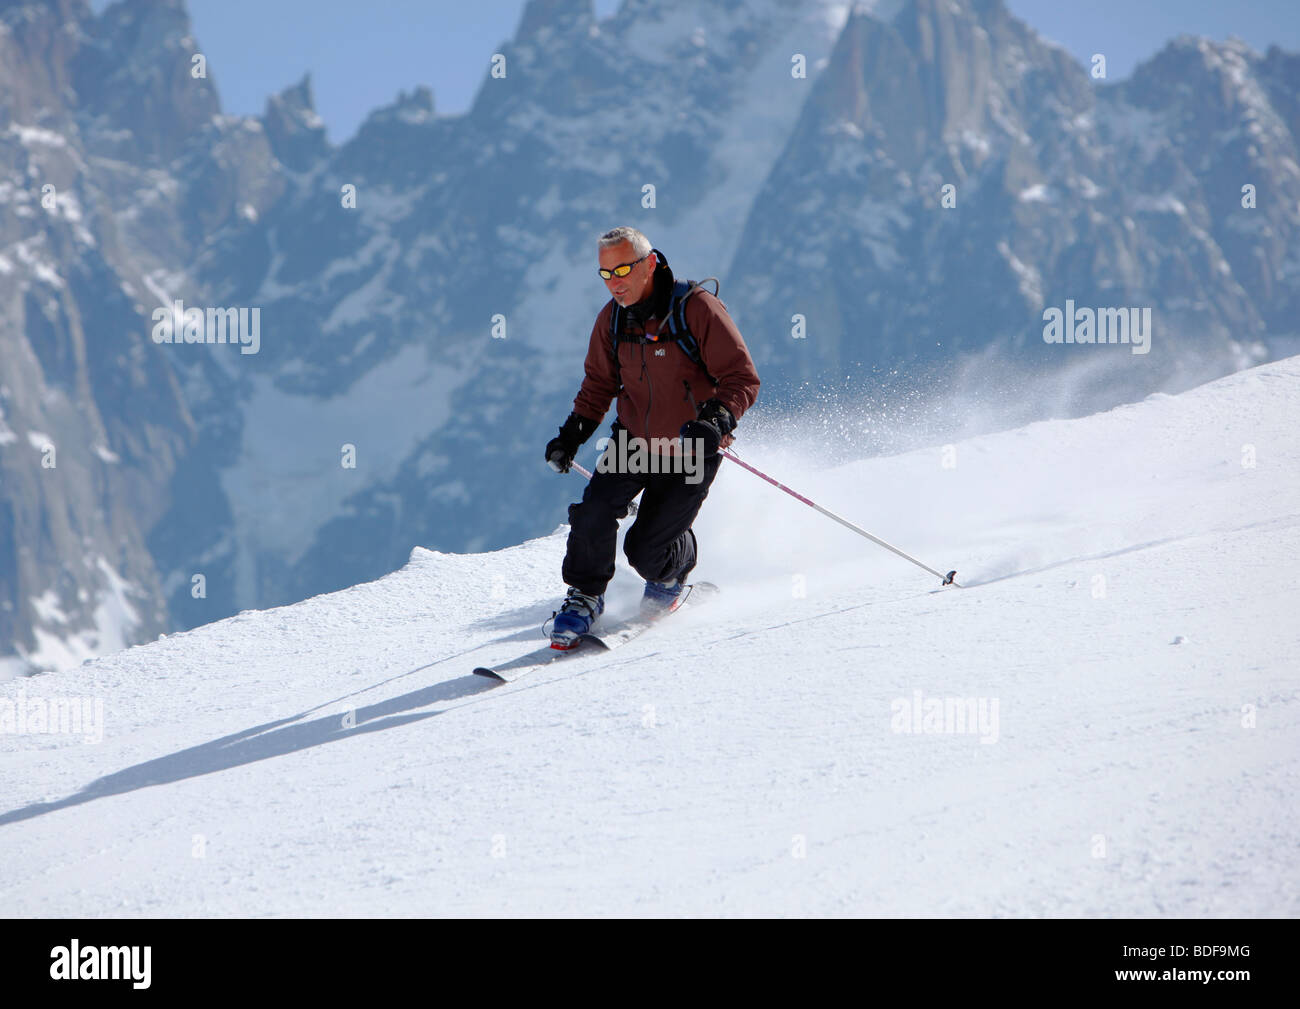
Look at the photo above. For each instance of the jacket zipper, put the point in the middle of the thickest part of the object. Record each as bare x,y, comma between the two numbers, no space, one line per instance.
650,393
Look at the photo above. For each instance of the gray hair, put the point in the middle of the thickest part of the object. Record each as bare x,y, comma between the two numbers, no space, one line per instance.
640,244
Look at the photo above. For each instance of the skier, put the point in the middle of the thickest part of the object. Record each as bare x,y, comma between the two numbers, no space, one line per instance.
696,391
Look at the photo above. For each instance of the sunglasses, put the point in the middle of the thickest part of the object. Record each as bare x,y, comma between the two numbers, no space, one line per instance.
622,270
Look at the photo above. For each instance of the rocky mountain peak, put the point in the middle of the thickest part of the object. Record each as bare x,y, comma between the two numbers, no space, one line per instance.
296,132
560,17
141,73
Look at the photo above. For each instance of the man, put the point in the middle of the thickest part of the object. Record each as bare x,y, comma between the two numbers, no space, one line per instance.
670,386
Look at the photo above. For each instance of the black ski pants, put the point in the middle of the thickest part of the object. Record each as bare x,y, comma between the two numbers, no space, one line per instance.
660,545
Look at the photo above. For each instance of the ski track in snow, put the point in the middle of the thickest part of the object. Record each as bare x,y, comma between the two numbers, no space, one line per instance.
337,757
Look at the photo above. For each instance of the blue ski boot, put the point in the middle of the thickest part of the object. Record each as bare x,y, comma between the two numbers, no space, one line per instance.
661,597
574,618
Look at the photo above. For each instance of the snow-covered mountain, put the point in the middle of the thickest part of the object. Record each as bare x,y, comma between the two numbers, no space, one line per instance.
953,175
1102,723
194,481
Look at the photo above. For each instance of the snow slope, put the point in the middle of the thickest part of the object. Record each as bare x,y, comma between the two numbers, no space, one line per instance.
1131,614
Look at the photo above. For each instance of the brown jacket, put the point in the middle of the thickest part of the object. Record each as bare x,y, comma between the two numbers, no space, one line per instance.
662,388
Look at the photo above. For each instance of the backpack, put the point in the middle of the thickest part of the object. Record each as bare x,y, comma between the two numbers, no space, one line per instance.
674,320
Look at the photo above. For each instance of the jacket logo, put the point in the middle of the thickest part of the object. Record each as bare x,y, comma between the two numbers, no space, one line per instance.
660,351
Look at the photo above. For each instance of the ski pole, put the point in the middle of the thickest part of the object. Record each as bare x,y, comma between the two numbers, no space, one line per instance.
947,579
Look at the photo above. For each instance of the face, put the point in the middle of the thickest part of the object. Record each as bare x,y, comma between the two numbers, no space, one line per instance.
636,285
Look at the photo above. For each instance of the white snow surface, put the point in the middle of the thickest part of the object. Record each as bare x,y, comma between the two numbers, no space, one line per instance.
1130,608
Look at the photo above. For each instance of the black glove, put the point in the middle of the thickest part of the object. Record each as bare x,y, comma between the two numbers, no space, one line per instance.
712,425
561,449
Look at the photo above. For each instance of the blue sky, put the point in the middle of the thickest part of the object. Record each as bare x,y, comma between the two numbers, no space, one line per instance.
361,56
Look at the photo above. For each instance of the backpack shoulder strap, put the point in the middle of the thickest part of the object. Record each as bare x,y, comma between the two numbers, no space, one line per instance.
676,320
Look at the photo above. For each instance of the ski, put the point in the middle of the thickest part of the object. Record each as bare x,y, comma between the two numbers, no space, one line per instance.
617,635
